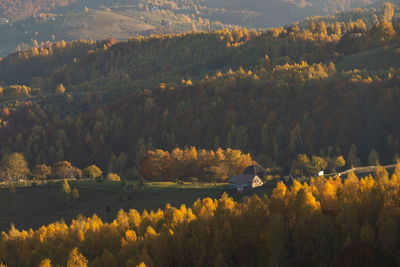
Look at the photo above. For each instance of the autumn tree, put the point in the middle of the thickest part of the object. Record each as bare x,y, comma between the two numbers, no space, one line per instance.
41,171
382,32
339,163
45,263
318,164
303,166
352,158
60,89
92,172
14,167
296,141
388,11
66,187
76,259
373,158
63,170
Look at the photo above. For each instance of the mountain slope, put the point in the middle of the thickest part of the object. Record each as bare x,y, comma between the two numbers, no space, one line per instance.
98,24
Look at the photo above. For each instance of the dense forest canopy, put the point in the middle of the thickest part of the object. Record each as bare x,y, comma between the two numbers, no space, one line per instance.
273,94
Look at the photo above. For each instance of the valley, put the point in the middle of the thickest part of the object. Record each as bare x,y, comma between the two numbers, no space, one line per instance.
199,133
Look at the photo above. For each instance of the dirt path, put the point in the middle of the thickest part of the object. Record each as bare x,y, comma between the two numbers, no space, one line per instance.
366,169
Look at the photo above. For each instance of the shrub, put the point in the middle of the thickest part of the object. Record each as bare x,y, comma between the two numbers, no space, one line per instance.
12,188
75,193
113,177
66,188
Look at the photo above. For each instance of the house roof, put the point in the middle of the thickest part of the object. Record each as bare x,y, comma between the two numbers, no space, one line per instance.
254,169
242,178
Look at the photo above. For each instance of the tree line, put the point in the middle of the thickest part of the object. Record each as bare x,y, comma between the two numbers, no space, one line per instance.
14,168
157,165
189,163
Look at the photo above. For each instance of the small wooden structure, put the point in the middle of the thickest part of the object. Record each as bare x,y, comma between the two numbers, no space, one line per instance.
251,177
245,181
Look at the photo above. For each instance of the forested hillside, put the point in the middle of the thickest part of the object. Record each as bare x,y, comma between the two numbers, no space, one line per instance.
265,93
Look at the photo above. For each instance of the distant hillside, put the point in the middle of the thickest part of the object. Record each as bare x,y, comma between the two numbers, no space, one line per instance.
24,21
20,9
275,13
252,12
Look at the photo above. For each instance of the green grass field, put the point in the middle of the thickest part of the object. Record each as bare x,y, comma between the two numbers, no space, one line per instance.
101,25
374,59
33,206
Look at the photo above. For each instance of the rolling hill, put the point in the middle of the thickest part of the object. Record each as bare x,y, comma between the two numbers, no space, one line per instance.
98,24
22,22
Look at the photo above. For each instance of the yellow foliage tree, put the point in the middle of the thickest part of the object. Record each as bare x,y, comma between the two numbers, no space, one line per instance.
45,263
76,259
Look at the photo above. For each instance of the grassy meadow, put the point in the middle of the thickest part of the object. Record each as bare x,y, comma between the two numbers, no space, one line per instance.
374,59
97,24
32,206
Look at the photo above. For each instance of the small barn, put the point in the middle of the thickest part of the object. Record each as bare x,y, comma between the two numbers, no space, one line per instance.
245,181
